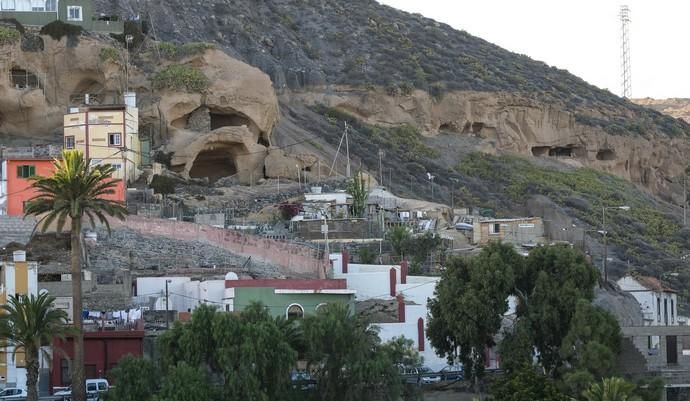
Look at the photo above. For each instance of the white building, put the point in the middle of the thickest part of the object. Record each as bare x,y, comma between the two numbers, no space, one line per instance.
18,277
183,294
659,303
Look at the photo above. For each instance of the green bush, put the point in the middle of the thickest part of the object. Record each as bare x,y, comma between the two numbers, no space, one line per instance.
8,35
174,51
181,77
58,29
109,54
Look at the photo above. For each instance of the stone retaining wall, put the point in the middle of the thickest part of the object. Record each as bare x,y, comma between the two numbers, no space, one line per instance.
295,259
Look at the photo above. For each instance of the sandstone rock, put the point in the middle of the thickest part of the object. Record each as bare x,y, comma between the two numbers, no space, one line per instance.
510,123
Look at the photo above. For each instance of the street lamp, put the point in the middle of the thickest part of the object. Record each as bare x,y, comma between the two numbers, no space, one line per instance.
431,183
603,227
167,319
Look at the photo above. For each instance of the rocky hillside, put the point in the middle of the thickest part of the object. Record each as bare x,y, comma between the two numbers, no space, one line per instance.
674,107
257,88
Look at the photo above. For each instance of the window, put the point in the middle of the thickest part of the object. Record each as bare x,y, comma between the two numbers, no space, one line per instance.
653,345
294,312
91,387
658,310
74,13
69,142
7,5
494,228
51,5
321,306
666,312
673,314
114,139
94,162
65,374
117,166
26,171
102,386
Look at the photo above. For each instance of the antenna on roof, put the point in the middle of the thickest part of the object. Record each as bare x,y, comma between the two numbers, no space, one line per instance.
625,52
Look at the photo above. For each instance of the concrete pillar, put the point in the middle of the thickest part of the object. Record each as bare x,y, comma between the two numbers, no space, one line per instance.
393,279
420,334
403,272
346,260
401,308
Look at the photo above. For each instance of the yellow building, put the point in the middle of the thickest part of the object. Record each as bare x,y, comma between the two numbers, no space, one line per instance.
21,278
107,134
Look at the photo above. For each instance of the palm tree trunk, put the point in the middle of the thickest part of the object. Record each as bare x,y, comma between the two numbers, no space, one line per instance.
31,376
78,381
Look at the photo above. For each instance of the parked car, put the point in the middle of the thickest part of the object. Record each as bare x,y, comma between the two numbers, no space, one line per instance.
451,372
419,375
11,393
95,388
302,379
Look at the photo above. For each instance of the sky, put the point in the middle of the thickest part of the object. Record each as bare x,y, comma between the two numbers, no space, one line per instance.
581,36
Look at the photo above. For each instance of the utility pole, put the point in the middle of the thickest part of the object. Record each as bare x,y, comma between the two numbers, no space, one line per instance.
167,318
347,153
685,199
625,52
380,167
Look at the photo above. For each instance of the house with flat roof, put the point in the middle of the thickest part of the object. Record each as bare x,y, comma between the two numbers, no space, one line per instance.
36,13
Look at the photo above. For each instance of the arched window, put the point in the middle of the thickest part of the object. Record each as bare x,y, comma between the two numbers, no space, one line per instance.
294,311
320,306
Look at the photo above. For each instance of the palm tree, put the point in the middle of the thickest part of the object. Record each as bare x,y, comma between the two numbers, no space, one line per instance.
28,323
73,191
611,389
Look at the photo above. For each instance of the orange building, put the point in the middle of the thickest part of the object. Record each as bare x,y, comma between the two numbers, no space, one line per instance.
19,188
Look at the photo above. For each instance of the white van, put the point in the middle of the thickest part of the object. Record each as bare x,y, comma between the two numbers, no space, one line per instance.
94,389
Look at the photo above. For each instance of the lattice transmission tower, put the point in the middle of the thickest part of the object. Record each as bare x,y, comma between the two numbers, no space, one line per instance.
625,51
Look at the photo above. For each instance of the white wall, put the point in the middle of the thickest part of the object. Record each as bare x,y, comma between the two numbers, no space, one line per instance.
652,302
389,331
369,285
152,286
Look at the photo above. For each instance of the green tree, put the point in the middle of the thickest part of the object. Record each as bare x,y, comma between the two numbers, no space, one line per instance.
526,385
251,353
75,190
136,379
366,255
398,236
611,389
651,389
186,383
552,281
348,359
593,341
469,304
359,190
27,324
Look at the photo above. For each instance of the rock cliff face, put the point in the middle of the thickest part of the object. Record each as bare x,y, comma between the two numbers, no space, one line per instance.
676,107
511,123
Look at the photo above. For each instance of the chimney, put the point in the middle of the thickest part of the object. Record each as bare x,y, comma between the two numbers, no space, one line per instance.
401,308
403,272
346,260
19,256
393,279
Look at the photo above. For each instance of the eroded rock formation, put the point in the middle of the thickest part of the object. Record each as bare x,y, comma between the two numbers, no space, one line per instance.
510,123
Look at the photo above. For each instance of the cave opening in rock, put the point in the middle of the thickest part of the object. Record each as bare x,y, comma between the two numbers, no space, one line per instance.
562,151
263,141
448,127
24,79
228,120
477,128
217,162
540,151
606,154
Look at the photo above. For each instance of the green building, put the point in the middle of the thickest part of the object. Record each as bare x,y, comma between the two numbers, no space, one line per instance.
37,13
290,298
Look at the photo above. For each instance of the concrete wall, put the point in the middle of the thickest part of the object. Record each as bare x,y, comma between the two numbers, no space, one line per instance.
294,259
202,292
155,286
518,231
